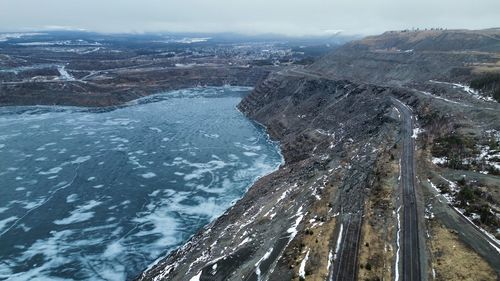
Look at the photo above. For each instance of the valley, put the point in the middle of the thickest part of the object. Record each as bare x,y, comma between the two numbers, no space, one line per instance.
391,146
344,123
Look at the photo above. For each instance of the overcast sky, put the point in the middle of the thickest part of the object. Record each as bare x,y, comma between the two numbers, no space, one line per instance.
290,17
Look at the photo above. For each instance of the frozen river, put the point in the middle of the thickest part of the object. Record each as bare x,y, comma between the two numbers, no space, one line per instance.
100,194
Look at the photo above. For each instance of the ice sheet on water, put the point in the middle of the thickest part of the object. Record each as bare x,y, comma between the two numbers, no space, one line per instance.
148,175
115,219
81,214
54,170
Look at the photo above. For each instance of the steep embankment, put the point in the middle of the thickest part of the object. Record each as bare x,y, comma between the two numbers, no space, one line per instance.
331,134
399,58
121,87
450,79
333,209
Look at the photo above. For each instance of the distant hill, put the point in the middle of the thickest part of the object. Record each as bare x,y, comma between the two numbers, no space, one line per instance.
401,57
435,40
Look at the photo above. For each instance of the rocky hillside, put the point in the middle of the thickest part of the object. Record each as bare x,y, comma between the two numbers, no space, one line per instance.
333,209
435,40
328,131
403,57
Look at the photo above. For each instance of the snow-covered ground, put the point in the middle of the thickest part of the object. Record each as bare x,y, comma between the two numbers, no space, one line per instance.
187,40
7,36
398,245
257,265
444,99
487,158
476,94
293,229
339,241
61,43
192,40
439,160
196,277
65,74
461,211
77,50
450,199
416,132
302,268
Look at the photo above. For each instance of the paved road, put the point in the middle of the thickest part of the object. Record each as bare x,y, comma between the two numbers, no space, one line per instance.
345,265
410,240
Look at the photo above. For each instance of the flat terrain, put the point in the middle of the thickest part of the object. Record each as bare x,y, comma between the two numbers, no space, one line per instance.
87,69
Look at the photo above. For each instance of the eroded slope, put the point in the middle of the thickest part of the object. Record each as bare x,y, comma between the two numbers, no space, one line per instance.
331,133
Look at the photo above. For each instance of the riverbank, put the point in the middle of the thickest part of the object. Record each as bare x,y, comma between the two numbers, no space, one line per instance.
294,210
106,191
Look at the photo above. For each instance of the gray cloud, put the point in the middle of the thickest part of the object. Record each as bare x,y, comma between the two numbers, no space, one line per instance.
291,17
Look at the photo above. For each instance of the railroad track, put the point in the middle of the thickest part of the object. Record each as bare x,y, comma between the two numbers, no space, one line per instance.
346,262
410,240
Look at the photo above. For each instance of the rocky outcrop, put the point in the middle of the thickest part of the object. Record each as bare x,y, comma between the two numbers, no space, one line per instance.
329,131
334,121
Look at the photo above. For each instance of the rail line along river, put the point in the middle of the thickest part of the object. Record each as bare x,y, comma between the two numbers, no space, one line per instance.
100,194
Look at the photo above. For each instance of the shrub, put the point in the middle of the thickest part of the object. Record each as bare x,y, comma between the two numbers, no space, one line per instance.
462,181
466,194
489,83
455,148
444,188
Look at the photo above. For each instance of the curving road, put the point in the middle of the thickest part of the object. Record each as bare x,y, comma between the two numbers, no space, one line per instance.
345,266
410,239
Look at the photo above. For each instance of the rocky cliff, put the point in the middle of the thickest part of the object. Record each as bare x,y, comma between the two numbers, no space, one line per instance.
333,209
331,134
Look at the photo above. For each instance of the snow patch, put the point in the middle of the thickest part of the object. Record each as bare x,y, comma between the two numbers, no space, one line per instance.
444,99
476,94
416,132
196,277
302,268
439,160
148,175
81,159
398,237
257,265
81,214
293,229
246,240
51,171
339,241
64,74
